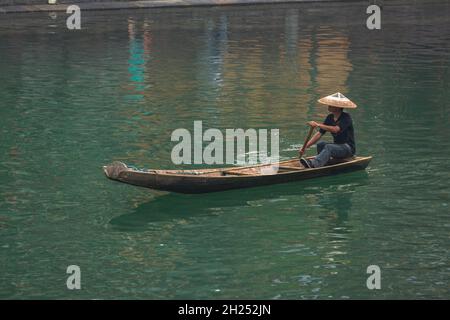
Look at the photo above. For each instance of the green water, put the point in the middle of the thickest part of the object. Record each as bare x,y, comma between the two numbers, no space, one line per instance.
72,101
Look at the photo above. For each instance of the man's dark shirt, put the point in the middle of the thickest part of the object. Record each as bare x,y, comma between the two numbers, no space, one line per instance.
346,134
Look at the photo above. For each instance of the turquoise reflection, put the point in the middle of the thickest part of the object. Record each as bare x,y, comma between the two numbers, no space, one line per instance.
137,61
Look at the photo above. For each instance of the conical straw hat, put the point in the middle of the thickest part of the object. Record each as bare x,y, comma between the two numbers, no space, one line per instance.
337,100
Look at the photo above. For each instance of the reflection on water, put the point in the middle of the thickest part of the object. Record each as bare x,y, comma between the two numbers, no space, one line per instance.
263,215
138,55
172,206
74,101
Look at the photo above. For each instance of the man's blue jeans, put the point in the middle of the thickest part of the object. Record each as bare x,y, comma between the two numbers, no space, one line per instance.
328,150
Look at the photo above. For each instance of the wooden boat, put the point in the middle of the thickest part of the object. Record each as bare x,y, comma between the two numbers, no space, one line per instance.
213,180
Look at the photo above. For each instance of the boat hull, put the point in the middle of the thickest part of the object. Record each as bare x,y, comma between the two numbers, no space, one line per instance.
214,180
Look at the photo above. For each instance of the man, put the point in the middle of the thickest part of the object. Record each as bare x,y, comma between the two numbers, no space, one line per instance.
340,124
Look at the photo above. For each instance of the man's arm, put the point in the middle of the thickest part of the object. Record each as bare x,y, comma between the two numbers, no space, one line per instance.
312,141
332,129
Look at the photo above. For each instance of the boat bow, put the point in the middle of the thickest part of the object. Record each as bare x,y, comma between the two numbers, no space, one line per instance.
114,169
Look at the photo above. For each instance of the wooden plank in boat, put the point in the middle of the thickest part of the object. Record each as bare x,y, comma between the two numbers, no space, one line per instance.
291,168
237,173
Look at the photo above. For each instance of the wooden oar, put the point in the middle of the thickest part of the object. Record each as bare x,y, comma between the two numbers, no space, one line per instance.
308,137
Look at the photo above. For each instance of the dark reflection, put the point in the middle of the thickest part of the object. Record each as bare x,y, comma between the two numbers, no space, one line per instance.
338,205
174,206
338,229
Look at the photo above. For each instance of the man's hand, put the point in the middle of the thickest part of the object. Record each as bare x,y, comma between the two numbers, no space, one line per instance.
313,124
301,152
